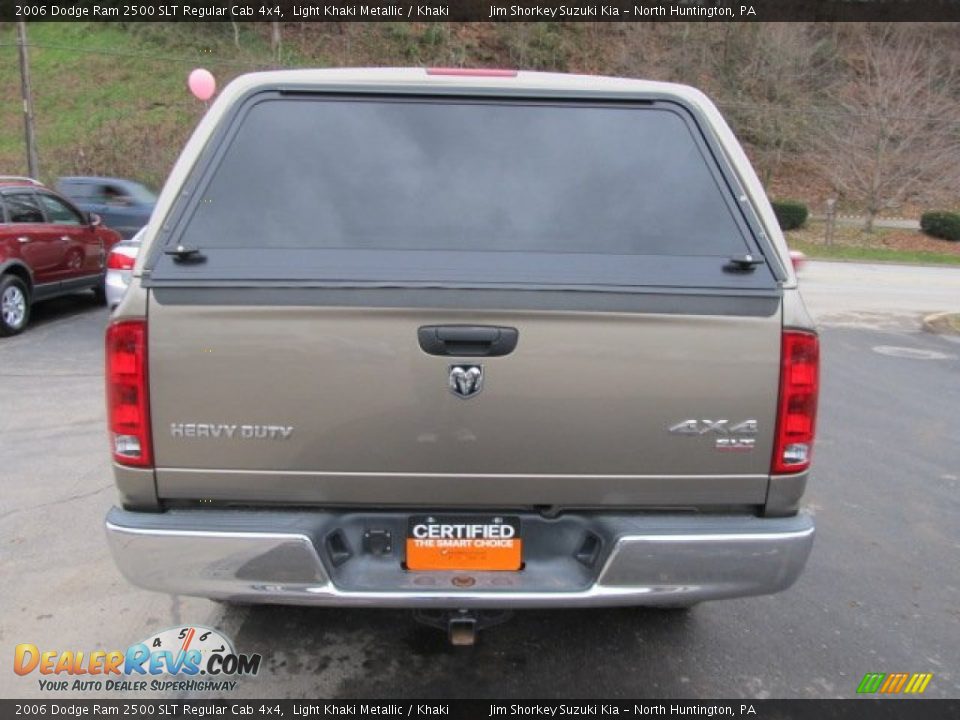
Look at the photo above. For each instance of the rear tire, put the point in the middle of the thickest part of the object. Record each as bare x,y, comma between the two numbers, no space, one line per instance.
100,290
14,305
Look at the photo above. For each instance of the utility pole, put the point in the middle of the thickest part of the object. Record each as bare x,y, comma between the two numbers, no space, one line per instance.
33,166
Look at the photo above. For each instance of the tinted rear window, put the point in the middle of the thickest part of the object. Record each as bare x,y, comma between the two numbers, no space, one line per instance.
365,179
445,176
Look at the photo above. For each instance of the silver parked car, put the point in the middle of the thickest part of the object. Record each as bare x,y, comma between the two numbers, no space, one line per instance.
462,340
120,264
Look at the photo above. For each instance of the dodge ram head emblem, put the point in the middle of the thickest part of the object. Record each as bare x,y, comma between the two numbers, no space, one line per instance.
466,380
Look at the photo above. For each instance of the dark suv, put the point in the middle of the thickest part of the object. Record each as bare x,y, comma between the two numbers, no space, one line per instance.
47,248
123,204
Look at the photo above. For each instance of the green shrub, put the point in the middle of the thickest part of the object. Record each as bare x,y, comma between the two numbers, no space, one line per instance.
941,224
791,214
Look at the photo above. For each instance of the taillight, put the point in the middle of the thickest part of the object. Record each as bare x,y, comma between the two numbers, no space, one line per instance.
798,260
120,261
128,401
797,412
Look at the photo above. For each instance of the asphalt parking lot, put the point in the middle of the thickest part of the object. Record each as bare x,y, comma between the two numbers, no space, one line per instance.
881,592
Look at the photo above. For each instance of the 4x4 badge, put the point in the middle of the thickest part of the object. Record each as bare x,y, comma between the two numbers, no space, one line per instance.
466,380
731,436
720,427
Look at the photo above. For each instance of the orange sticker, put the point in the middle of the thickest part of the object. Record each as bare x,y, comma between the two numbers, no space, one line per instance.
464,543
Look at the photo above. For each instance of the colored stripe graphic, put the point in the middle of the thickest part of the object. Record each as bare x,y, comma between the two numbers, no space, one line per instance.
871,682
893,683
918,683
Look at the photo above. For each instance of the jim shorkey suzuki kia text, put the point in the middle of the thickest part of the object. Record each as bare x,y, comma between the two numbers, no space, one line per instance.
463,342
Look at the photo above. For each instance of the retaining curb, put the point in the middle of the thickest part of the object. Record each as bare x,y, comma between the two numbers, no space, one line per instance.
939,323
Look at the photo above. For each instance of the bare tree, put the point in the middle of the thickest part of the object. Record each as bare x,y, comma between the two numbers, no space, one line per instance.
764,76
896,129
768,84
230,8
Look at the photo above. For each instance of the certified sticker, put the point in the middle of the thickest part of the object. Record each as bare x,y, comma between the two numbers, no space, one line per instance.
464,543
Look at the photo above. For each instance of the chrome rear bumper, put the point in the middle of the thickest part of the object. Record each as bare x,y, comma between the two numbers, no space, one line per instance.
280,557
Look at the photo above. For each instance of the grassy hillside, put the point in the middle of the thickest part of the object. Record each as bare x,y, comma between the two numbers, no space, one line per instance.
112,99
108,100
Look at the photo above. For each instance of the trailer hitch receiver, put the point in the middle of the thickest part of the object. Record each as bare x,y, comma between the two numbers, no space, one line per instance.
462,625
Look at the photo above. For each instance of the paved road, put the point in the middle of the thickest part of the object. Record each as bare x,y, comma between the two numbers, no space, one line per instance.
878,295
880,222
881,592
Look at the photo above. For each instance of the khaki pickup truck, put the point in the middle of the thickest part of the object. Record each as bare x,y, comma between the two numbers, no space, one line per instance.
461,341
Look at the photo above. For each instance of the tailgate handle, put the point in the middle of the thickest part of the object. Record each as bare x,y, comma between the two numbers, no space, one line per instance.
467,340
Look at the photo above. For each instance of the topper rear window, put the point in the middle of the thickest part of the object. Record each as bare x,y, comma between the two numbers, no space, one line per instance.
463,192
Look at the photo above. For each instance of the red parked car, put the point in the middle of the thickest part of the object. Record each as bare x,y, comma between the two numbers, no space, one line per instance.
47,248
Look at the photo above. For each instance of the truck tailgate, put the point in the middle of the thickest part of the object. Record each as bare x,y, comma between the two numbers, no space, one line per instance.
300,402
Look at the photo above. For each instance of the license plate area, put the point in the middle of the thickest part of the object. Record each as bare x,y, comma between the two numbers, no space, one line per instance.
464,542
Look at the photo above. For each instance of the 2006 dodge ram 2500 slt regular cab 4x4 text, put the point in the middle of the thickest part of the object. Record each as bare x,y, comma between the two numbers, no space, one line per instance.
466,340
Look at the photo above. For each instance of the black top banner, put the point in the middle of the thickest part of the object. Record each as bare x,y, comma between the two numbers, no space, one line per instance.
479,709
482,10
